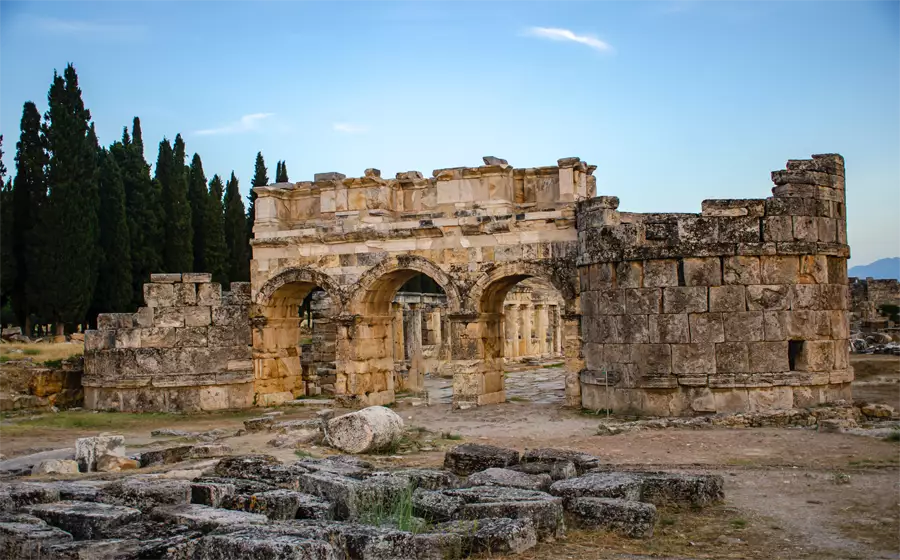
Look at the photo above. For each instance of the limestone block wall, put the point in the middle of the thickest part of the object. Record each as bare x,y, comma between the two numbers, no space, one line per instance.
188,349
743,307
867,295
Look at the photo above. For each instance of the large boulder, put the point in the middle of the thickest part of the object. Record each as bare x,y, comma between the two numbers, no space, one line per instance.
470,458
84,520
625,517
115,463
510,478
374,428
88,450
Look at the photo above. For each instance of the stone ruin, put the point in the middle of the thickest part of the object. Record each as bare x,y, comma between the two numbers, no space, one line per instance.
485,500
872,330
740,308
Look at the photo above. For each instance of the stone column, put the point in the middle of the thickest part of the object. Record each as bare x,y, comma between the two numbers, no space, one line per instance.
527,314
435,319
557,335
412,330
512,331
397,332
542,323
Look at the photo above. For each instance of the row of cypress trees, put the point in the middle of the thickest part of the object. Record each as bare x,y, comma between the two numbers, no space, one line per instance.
83,226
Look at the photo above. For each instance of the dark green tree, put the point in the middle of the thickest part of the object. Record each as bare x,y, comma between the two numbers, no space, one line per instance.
178,255
29,193
215,257
143,210
281,176
260,179
114,288
62,284
198,197
236,239
7,265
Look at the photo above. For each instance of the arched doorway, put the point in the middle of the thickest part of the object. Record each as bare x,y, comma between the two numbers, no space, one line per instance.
294,337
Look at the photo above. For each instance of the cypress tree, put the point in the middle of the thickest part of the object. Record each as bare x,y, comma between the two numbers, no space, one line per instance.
215,256
282,176
277,170
198,198
114,288
260,179
68,231
28,195
236,240
7,266
178,256
142,208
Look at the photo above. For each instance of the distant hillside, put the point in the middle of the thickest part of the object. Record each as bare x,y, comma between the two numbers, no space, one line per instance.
882,268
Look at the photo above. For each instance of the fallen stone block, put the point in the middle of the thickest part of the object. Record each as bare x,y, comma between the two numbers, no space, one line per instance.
115,463
55,466
88,450
156,537
296,438
435,506
205,518
583,461
599,485
84,520
544,510
18,495
207,451
166,456
341,468
428,479
469,458
264,468
557,470
698,490
77,490
259,424
281,505
624,517
250,544
373,428
106,549
28,539
510,478
210,494
21,466
145,493
492,535
241,485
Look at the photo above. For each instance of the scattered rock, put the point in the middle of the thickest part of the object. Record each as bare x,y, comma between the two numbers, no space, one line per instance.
20,539
258,424
84,520
55,466
251,544
88,450
145,493
18,495
205,518
210,450
625,517
698,490
281,505
557,470
167,432
510,478
374,428
583,461
20,466
106,549
503,536
166,456
599,485
469,458
877,411
544,510
115,463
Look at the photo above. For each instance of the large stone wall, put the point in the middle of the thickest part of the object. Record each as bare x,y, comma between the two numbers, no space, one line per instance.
187,350
743,307
867,296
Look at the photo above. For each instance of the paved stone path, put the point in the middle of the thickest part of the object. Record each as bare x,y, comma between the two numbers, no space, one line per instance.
542,385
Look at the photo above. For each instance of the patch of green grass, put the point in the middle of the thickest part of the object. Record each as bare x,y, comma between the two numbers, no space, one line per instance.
56,364
31,351
518,399
109,421
738,523
4,359
304,454
893,436
666,521
453,437
382,509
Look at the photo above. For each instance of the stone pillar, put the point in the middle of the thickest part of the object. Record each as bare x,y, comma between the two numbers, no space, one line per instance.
542,323
412,329
435,318
527,314
512,331
397,332
557,335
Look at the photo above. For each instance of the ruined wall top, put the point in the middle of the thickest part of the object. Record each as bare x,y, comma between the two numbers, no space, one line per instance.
495,188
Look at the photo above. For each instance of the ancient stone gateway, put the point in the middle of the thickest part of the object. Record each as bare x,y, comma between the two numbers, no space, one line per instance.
361,286
476,232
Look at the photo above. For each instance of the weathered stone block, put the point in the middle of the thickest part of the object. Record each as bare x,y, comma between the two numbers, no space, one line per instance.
624,517
768,357
768,297
694,358
727,298
106,321
705,271
185,294
732,357
741,270
643,301
469,458
633,329
805,228
89,450
196,277
769,399
685,300
144,317
813,269
797,325
159,295
701,230
610,302
790,206
165,277
228,315
706,327
168,317
190,336
209,294
197,316
99,340
660,273
629,274
816,355
746,326
158,338
778,228
654,358
779,269
745,229
669,328
85,520
128,338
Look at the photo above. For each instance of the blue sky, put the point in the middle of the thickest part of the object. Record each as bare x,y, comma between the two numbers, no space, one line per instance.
674,101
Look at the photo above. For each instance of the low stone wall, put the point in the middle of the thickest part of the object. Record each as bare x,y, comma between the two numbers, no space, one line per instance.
187,350
28,386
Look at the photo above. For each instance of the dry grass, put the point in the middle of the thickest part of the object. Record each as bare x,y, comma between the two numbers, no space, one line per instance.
80,420
42,352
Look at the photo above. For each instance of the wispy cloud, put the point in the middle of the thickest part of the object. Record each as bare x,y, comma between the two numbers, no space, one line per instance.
349,128
246,123
558,34
86,29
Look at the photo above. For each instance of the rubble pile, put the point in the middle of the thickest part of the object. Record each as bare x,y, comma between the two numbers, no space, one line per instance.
486,500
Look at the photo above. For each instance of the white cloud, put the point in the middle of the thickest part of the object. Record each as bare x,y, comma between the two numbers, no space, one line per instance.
349,128
87,29
245,124
557,34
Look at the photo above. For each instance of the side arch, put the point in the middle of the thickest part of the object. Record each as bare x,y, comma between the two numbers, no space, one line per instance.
303,277
490,289
387,276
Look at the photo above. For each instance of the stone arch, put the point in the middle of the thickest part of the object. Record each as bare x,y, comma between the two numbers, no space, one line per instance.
293,279
378,284
490,289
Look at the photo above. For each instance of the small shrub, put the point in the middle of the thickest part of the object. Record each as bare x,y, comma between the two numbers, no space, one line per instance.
31,351
4,359
396,511
304,454
893,436
453,437
53,363
738,523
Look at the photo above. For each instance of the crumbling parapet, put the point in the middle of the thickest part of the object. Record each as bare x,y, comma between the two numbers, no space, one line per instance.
743,307
188,349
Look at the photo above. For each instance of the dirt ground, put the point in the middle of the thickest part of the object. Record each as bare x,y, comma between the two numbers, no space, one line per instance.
790,493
